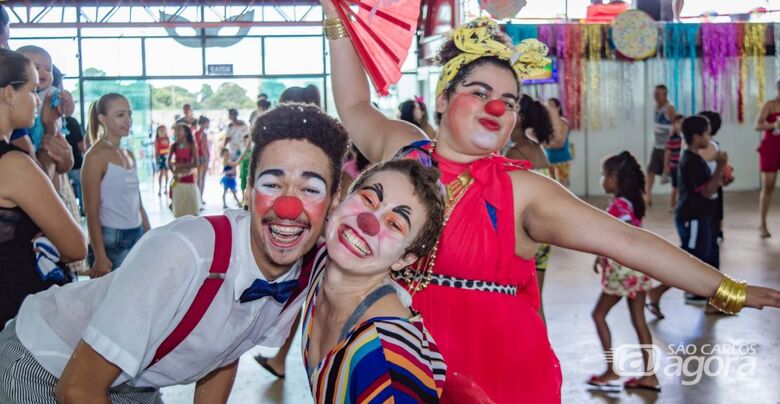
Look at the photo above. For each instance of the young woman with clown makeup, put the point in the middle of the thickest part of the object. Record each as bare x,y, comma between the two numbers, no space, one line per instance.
360,338
478,292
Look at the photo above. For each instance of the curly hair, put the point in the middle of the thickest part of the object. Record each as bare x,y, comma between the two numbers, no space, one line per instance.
425,181
630,179
449,51
293,121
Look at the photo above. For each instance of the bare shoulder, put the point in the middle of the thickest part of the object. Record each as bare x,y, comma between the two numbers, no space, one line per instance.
528,186
401,134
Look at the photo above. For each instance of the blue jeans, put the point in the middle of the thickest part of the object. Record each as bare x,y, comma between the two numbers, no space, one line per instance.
699,237
117,243
75,178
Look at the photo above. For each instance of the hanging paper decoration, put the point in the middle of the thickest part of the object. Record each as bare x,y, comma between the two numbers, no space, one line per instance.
754,52
635,34
592,40
679,49
719,49
501,9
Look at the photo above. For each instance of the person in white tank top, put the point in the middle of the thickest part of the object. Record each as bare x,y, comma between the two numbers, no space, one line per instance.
116,218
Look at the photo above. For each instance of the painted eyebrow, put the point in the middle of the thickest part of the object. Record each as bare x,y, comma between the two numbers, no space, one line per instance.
378,189
313,175
489,88
404,211
273,171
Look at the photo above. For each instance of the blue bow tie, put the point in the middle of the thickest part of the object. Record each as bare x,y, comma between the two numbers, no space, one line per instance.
280,291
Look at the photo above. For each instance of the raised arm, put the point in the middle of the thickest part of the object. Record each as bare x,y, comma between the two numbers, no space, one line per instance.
377,136
761,123
585,228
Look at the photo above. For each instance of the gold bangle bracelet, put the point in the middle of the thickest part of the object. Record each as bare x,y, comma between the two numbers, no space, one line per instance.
334,29
730,296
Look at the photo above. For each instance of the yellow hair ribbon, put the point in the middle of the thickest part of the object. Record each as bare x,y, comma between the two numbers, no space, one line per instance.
475,40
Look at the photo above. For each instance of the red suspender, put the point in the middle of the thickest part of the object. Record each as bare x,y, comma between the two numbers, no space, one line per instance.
223,244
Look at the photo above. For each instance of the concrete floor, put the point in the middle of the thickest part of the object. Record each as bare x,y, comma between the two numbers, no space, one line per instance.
571,290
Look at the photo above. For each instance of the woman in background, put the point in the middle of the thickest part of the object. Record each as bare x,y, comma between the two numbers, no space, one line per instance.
162,148
558,148
184,164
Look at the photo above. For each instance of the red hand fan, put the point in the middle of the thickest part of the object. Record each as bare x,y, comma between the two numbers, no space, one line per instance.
382,32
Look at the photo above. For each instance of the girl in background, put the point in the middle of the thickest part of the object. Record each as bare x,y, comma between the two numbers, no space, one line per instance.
116,218
162,148
184,164
558,148
622,177
204,153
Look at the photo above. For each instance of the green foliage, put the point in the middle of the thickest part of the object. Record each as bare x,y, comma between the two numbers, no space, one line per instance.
228,95
173,97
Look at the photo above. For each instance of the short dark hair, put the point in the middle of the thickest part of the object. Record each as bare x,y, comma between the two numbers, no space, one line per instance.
425,181
306,95
264,104
13,69
57,77
307,122
536,116
693,126
662,87
715,121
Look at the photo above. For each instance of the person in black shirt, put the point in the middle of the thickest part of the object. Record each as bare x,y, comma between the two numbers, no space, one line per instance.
697,207
75,138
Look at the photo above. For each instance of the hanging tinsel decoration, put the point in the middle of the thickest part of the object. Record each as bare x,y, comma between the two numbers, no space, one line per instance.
776,29
754,52
740,32
679,49
719,48
591,39
572,52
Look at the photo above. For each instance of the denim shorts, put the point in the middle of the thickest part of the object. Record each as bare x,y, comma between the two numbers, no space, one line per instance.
117,243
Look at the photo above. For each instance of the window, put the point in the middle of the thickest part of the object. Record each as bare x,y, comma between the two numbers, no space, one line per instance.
112,56
293,55
167,57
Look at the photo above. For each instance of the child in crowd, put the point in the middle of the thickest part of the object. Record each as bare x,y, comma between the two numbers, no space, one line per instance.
162,148
672,158
709,155
697,208
228,177
622,177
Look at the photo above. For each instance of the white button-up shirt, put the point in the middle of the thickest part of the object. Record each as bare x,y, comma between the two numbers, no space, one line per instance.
126,315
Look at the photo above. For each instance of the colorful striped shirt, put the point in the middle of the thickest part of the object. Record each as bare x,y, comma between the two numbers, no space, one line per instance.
674,144
383,359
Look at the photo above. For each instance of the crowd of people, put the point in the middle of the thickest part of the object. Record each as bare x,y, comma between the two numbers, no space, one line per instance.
369,258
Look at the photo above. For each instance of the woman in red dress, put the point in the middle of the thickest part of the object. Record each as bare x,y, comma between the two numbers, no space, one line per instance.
768,121
479,295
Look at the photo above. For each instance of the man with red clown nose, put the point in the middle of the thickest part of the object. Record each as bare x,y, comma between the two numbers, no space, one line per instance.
192,296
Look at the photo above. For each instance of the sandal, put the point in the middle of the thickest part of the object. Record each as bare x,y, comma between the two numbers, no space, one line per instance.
634,384
263,361
653,308
604,385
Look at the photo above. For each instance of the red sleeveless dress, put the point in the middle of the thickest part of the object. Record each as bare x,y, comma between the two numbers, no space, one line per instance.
497,340
769,149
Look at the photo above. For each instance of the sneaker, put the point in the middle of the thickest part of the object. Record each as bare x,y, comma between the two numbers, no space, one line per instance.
691,298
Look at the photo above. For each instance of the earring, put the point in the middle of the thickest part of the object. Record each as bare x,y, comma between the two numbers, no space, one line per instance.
246,208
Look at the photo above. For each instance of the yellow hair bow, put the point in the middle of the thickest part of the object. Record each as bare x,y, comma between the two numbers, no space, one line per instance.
475,41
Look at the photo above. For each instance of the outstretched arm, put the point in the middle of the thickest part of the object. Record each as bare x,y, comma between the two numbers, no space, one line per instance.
377,136
588,229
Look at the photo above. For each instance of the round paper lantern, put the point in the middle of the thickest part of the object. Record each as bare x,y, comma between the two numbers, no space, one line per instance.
500,9
635,34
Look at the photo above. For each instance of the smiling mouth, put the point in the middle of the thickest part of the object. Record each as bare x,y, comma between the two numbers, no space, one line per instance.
285,235
354,242
490,124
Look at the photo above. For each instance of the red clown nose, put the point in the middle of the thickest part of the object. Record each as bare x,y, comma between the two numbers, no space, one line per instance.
288,207
368,223
495,108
